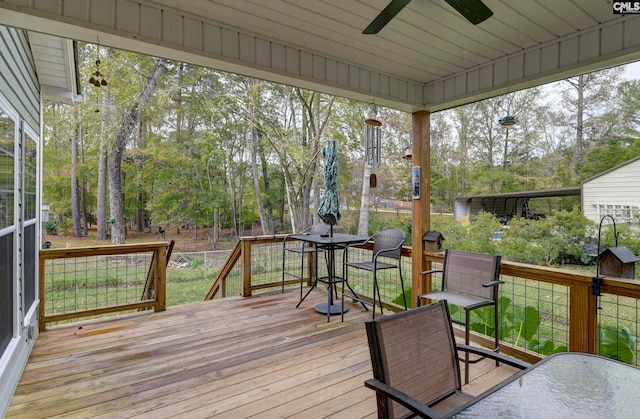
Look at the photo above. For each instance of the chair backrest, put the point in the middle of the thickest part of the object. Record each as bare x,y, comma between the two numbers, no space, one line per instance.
414,352
466,272
389,239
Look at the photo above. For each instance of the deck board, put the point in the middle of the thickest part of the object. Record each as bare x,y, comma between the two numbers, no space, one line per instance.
237,357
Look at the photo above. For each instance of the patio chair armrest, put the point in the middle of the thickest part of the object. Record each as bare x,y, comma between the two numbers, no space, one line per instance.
496,356
345,257
432,271
358,243
286,237
492,284
348,246
404,399
305,231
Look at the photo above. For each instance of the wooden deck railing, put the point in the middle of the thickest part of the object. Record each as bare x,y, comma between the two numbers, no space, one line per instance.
255,264
559,301
90,281
543,310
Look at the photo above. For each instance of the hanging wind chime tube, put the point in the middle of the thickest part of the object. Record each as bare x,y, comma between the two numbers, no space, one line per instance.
373,142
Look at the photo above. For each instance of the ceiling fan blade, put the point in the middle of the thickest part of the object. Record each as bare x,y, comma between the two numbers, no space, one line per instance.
475,11
385,16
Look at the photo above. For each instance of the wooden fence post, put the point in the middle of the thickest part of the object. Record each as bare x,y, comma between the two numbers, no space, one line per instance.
42,325
246,267
582,319
161,278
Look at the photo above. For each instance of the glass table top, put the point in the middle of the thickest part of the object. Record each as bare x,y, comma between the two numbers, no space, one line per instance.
567,385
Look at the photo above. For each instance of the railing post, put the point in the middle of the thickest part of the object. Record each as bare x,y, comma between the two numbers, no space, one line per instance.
161,278
582,319
312,264
245,257
42,325
421,218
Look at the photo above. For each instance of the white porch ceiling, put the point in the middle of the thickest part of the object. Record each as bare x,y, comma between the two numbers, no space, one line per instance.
427,57
55,60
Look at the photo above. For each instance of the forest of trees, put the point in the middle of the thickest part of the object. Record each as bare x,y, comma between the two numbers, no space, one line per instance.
169,143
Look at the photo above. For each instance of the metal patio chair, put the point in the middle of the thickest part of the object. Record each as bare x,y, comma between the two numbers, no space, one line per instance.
414,358
304,250
388,245
470,281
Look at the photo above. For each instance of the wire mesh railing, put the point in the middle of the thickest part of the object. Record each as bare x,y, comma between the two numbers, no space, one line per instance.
389,281
91,282
546,310
542,310
268,259
190,275
619,328
81,282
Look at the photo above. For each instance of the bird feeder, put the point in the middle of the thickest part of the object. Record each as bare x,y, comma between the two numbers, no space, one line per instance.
618,262
433,241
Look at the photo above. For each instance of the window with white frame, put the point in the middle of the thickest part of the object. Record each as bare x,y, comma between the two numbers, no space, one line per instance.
8,134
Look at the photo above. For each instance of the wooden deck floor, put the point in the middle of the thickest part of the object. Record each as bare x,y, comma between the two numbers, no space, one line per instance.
235,358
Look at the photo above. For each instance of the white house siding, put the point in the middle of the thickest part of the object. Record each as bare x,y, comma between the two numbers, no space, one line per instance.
20,105
615,192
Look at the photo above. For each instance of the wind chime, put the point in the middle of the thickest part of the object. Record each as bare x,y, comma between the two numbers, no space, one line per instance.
372,147
97,79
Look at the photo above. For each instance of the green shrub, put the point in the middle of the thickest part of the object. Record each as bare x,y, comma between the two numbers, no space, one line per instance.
475,237
51,227
616,343
382,221
554,240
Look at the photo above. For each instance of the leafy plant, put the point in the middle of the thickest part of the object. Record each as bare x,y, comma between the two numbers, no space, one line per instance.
616,343
398,300
51,228
520,323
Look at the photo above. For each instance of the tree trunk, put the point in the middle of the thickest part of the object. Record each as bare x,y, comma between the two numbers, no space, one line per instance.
140,213
232,196
75,196
101,233
268,207
363,224
129,122
255,138
290,205
83,191
580,146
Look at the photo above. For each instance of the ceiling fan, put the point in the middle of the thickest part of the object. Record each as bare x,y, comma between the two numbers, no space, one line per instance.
475,11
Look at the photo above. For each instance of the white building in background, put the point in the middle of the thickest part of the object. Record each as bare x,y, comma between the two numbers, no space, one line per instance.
505,205
615,192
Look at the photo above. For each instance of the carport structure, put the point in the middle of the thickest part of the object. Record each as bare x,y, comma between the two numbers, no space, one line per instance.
427,58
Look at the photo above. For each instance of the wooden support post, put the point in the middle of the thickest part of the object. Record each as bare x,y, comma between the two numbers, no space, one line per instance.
582,319
42,325
421,207
245,257
311,266
160,269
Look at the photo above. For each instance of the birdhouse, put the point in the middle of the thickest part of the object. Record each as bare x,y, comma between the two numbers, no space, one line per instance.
433,241
618,262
